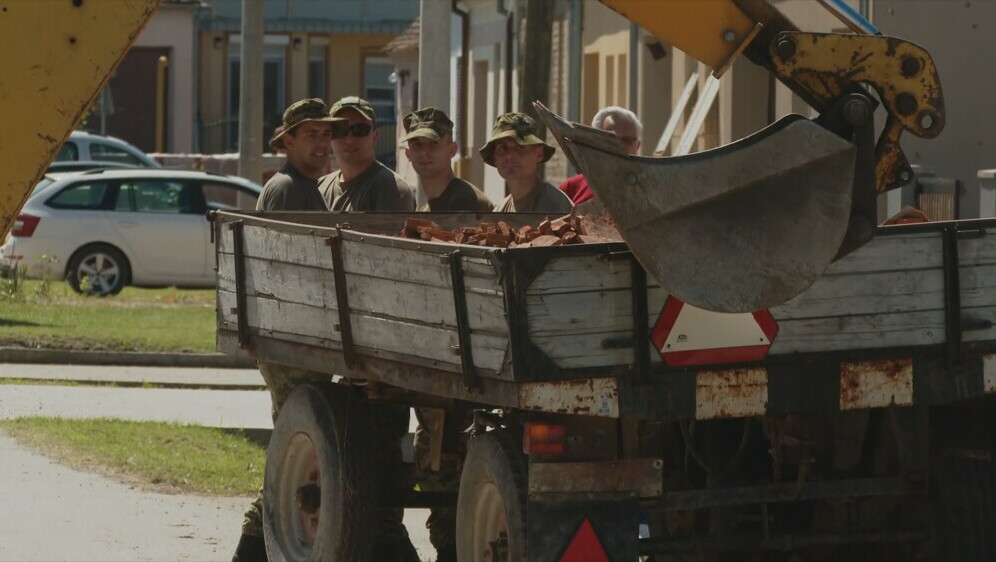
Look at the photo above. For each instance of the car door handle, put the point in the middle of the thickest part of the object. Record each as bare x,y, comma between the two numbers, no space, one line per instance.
127,224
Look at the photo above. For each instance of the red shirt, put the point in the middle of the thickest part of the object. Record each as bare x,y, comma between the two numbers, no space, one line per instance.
577,189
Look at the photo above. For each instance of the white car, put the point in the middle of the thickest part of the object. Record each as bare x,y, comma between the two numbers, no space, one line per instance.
85,146
104,229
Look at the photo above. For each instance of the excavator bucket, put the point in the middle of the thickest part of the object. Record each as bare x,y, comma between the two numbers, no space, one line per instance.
739,228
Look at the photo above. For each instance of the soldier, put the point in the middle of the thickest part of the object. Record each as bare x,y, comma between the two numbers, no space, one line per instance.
362,183
517,152
306,138
430,149
626,126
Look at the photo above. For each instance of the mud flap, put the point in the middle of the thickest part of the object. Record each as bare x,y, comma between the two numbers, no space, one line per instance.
572,531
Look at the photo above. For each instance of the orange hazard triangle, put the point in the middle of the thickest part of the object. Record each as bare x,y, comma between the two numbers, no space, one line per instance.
585,546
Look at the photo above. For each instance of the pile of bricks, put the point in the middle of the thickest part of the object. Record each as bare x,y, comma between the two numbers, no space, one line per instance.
556,232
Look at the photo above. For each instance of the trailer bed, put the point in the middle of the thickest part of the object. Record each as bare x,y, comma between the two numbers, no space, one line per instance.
907,318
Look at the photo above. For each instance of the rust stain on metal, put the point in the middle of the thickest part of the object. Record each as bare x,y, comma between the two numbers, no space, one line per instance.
731,393
876,384
593,397
633,477
989,373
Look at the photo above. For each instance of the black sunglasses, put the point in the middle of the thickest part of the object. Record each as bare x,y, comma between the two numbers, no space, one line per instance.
358,130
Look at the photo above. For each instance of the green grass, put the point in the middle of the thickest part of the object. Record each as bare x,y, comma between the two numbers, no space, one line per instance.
42,314
157,456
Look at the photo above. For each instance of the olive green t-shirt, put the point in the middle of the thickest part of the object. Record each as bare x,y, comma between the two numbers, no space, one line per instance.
459,195
289,190
378,188
544,199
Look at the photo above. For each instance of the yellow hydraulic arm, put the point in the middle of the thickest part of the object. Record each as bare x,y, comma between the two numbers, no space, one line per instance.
58,54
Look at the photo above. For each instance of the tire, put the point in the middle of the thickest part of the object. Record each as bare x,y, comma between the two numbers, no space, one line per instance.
963,486
98,270
491,505
320,454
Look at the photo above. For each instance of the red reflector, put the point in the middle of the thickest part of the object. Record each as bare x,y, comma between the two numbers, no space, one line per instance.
543,439
25,225
585,546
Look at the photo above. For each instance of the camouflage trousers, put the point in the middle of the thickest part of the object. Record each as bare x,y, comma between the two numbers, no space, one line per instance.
442,519
391,426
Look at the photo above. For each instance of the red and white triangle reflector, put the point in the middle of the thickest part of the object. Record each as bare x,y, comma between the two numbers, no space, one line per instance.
686,335
585,546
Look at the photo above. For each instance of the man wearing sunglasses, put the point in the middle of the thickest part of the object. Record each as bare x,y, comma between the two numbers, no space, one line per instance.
619,121
362,183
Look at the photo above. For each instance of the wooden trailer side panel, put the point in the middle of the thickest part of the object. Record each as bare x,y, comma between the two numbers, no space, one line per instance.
401,301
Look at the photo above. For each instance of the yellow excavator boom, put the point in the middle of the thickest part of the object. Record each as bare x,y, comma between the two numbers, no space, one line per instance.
58,54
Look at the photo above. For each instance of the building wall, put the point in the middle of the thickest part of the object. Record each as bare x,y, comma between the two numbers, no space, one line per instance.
175,28
345,65
213,85
957,35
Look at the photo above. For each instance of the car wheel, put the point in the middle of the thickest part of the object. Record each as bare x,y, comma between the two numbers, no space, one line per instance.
98,270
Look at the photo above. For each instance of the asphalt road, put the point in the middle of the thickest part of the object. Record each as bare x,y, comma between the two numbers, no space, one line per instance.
52,512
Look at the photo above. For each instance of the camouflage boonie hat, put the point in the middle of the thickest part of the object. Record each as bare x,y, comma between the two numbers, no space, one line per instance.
519,127
428,122
357,103
307,110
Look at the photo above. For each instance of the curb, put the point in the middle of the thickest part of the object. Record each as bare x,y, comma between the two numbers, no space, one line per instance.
125,358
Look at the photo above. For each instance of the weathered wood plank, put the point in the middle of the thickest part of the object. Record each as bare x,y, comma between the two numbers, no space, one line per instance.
570,274
973,322
867,293
890,253
578,351
382,297
591,312
871,331
977,251
426,342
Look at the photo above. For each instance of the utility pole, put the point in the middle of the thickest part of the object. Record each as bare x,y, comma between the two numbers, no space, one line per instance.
251,92
535,82
434,61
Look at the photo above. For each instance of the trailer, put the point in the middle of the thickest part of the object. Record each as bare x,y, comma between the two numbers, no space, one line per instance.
609,419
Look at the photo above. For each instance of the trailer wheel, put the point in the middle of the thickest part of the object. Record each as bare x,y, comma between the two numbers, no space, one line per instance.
491,506
319,494
963,486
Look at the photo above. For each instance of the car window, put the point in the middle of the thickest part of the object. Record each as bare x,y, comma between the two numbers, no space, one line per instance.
89,195
108,153
156,196
125,200
225,196
69,151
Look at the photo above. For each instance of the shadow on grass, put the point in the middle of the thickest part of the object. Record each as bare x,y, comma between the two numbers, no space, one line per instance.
254,435
5,322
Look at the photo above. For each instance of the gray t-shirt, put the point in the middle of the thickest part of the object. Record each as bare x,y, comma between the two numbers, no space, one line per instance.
289,190
545,198
378,188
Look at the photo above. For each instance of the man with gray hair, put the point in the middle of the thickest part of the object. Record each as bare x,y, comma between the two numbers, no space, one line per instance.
619,121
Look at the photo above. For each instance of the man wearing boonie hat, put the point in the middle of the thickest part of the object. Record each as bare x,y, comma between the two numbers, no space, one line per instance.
362,183
516,151
306,137
430,150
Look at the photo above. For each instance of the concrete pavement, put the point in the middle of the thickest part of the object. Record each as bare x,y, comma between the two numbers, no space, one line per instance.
96,518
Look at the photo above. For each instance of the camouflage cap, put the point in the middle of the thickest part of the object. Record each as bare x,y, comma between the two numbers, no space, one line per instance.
428,122
519,127
353,102
312,109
